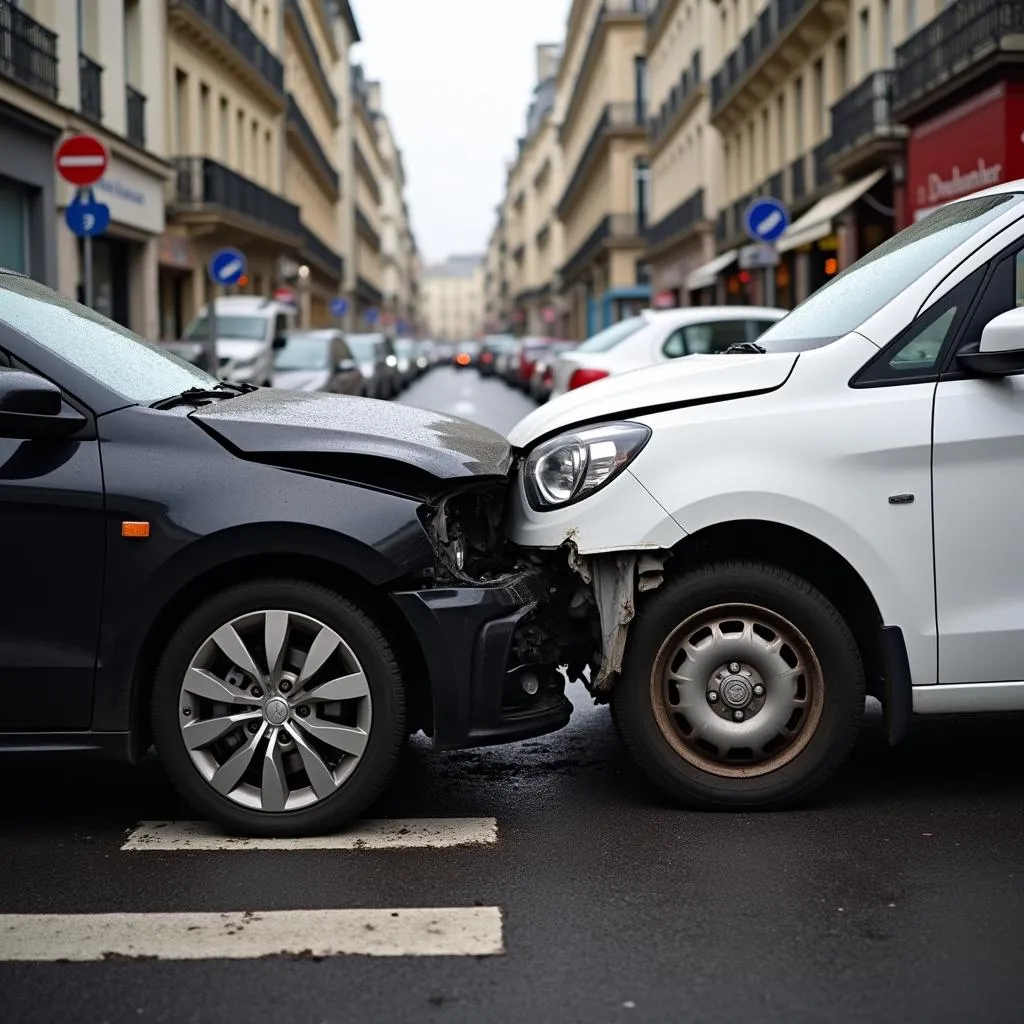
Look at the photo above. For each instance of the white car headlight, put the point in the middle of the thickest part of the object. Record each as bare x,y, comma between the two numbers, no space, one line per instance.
571,466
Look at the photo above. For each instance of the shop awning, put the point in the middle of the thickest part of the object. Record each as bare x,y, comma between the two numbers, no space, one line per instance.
816,223
704,277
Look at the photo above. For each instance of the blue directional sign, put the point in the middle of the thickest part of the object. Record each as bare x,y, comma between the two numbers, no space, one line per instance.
339,307
85,216
766,219
370,316
226,266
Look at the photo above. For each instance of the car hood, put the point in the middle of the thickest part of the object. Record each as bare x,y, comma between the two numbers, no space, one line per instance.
396,447
301,380
686,381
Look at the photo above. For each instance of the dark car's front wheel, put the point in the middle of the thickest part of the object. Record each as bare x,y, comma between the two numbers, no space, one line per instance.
278,709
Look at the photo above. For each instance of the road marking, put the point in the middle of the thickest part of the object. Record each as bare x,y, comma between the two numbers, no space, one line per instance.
464,408
383,834
238,935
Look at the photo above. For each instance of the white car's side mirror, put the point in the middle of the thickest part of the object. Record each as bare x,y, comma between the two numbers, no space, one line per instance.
1001,351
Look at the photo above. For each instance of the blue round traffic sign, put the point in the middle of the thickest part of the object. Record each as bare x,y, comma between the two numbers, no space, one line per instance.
339,307
370,316
226,266
766,219
86,217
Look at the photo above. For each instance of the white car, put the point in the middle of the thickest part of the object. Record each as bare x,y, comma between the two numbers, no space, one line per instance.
749,543
658,336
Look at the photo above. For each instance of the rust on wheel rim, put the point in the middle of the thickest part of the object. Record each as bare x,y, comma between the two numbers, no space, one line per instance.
737,690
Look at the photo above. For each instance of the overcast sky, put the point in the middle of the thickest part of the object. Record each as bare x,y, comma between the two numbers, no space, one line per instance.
457,77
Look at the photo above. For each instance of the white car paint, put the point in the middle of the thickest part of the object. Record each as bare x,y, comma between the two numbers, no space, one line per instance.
647,346
810,451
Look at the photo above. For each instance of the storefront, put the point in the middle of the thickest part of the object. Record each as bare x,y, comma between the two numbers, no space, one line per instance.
28,223
971,146
707,285
126,256
176,256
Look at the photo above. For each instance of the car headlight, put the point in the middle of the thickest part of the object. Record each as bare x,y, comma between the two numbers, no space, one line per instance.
571,466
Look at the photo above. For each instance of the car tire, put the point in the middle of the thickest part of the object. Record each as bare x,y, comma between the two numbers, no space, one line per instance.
695,726
351,744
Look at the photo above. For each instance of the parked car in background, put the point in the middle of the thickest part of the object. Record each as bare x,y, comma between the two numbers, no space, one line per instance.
467,355
659,336
542,378
318,360
377,363
443,353
522,361
492,353
248,328
406,353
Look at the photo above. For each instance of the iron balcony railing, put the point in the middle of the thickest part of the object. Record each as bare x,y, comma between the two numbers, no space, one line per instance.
322,253
760,39
368,292
612,226
687,85
307,37
296,117
798,178
721,227
864,112
136,103
957,37
90,89
28,51
684,217
820,157
236,32
201,182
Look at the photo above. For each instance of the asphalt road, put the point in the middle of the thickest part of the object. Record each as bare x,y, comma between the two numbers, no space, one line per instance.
897,896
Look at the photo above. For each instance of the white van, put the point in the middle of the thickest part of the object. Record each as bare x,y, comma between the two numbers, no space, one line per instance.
248,330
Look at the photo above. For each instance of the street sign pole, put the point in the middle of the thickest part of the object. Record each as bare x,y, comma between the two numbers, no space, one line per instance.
225,268
81,161
769,286
766,220
87,264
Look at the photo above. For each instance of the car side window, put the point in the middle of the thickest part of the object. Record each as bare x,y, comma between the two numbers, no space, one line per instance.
675,344
714,336
1004,290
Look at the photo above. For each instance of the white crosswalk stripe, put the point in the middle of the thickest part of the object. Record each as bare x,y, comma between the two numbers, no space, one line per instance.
384,834
445,931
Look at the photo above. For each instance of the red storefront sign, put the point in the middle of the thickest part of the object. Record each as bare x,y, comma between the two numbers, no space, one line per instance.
971,146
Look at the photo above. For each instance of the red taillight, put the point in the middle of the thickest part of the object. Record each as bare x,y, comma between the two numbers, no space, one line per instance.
487,358
581,377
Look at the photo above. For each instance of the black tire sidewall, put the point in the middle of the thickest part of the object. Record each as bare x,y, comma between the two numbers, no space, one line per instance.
387,730
808,610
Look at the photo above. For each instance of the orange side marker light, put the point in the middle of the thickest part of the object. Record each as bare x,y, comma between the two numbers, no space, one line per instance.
129,529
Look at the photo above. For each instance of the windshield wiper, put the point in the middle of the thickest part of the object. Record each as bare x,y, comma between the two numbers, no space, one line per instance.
745,346
194,396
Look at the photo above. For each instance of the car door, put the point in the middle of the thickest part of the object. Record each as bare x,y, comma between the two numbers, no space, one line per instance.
978,470
52,555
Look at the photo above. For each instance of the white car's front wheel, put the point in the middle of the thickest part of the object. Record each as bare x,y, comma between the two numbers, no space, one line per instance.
742,687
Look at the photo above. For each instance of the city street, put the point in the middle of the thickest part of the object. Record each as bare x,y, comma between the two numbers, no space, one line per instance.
573,891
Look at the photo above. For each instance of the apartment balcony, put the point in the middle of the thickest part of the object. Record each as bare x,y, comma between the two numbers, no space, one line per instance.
786,35
209,195
136,116
294,16
659,15
28,51
799,189
318,252
617,119
611,12
226,36
686,218
519,253
364,226
615,229
863,129
300,132
90,88
680,103
961,44
363,168
367,292
820,157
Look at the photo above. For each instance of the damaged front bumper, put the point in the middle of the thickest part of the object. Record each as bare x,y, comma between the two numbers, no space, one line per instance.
487,686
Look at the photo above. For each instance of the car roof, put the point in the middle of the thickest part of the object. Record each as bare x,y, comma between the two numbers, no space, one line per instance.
690,314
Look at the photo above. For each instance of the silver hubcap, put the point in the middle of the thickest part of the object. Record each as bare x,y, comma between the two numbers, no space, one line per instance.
275,710
737,690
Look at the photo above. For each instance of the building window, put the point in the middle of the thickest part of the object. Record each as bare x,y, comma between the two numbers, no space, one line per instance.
798,118
642,189
180,122
766,140
752,154
911,15
864,41
842,66
225,129
240,141
888,57
268,146
14,245
780,105
821,127
204,118
640,87
257,170
132,42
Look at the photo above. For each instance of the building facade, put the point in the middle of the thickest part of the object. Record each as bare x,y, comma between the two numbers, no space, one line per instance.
398,245
368,175
453,298
62,73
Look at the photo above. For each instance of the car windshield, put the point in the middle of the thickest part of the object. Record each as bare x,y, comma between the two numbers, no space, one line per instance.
363,346
611,336
861,290
229,328
303,352
139,371
404,347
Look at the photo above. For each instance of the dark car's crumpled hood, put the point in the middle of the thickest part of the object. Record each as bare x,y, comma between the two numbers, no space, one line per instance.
396,446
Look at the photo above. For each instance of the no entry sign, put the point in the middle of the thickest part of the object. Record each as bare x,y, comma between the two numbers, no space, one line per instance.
81,160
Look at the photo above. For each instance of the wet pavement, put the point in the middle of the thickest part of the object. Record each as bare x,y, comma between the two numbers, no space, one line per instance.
898,895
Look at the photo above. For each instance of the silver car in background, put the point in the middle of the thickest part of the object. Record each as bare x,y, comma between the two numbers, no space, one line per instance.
377,362
317,360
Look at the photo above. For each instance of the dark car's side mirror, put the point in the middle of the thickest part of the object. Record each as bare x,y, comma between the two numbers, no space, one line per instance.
1001,351
279,342
346,366
31,407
